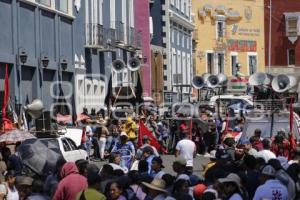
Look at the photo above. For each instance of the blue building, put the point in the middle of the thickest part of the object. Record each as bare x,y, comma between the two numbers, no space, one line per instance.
172,28
58,48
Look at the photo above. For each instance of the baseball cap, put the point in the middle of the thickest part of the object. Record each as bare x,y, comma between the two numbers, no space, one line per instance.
268,170
199,190
159,161
180,160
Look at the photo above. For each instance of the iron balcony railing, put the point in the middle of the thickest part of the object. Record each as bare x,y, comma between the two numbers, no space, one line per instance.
131,36
138,39
120,33
95,35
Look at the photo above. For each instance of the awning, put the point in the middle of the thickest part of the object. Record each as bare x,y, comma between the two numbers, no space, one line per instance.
221,10
233,15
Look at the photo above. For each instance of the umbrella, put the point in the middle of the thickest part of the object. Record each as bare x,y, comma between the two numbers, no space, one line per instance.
16,136
40,155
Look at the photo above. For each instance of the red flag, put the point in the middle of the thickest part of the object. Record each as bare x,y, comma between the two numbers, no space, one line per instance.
7,124
6,94
291,114
143,130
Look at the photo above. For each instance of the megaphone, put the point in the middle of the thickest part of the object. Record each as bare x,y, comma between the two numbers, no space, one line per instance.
134,64
35,109
198,82
118,65
283,83
260,78
212,81
222,79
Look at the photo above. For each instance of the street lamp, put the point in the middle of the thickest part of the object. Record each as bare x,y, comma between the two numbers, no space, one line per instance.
45,61
63,63
21,60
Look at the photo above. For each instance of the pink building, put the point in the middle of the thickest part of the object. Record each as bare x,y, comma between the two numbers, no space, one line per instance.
142,14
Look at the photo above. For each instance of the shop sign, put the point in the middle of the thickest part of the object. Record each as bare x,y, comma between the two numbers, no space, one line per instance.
238,84
241,45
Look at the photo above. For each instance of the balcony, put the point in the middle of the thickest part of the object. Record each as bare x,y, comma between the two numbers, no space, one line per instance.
95,36
120,34
131,37
138,40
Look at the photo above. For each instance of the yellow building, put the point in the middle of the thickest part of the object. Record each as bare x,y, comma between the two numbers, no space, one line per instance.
229,33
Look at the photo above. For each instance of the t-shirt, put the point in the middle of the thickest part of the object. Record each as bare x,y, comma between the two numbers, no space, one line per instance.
91,194
272,189
186,148
10,194
266,155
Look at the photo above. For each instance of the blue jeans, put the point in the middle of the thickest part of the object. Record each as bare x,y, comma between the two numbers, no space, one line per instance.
109,141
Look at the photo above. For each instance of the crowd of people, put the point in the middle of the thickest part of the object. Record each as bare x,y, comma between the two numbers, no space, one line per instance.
258,168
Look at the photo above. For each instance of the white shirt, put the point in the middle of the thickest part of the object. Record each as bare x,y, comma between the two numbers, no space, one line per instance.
186,149
10,194
272,189
266,155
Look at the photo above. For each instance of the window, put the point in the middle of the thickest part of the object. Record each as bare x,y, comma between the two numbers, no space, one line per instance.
180,4
72,144
220,30
187,42
233,64
45,2
184,9
178,38
182,40
210,63
291,57
220,62
63,5
173,35
252,64
66,145
291,27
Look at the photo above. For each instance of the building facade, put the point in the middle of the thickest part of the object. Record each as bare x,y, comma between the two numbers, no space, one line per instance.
282,53
37,41
172,39
229,34
69,48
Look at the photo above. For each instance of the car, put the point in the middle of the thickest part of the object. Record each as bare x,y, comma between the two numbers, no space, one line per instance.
237,103
69,150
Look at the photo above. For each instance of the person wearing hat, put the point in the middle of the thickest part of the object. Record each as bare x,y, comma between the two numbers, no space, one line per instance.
179,166
156,189
93,179
156,168
24,186
126,150
146,142
232,187
271,188
198,190
212,162
130,129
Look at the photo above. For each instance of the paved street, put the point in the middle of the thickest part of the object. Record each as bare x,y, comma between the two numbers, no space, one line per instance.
199,161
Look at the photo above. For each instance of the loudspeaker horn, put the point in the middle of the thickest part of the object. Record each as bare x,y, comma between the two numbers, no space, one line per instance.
222,79
118,65
35,109
260,78
212,81
134,64
198,82
283,83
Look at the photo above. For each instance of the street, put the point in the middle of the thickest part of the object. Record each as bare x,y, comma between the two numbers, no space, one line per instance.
199,161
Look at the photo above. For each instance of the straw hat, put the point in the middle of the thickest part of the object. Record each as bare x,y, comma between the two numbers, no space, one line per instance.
157,184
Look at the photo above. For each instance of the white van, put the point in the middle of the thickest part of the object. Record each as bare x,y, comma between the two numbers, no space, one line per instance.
236,102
